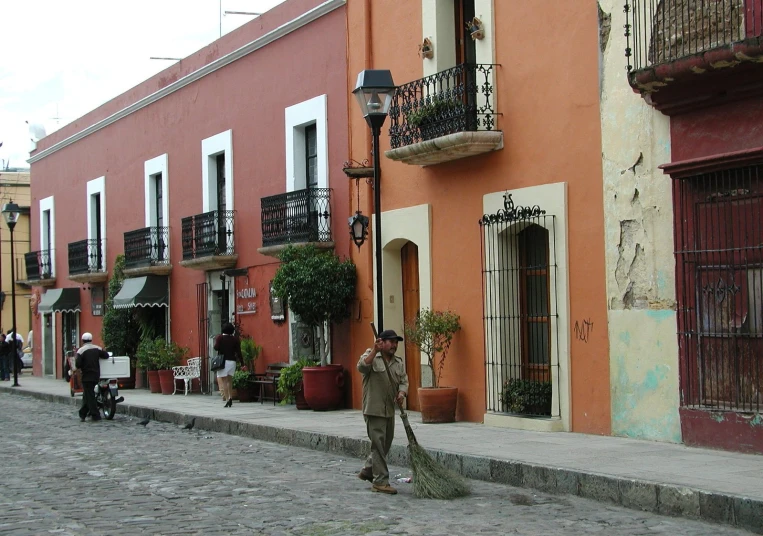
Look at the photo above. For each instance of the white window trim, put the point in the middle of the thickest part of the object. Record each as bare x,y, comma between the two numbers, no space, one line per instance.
553,199
97,186
297,117
152,168
49,204
210,147
438,24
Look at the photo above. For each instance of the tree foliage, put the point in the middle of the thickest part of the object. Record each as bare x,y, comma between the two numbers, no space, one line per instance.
317,285
120,331
432,332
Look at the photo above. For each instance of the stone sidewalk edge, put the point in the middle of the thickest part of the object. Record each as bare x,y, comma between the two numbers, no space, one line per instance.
658,498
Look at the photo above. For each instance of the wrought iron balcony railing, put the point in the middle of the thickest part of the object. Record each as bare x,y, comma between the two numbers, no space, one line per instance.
458,99
663,31
86,256
294,217
208,234
147,247
38,265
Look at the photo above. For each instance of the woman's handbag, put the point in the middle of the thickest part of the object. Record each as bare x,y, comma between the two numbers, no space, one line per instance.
217,362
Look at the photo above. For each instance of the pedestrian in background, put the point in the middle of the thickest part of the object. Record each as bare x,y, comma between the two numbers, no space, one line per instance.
88,362
380,392
6,363
229,345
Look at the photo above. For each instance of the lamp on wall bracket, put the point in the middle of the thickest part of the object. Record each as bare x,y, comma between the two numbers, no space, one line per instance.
476,28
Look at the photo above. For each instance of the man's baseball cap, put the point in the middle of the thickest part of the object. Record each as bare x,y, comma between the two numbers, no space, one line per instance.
389,334
87,336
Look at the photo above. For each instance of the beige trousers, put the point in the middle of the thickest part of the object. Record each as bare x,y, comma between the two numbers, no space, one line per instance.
381,432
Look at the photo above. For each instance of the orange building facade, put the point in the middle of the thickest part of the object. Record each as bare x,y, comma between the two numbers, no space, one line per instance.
497,214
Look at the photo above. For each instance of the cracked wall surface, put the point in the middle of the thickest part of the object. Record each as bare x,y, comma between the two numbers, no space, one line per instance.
638,219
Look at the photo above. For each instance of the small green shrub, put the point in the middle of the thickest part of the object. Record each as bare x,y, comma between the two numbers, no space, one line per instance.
432,332
290,380
527,396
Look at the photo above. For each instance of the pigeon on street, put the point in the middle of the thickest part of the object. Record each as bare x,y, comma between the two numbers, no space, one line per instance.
144,422
189,426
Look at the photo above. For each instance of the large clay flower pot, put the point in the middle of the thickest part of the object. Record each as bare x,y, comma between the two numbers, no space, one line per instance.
323,387
299,397
167,381
438,404
153,381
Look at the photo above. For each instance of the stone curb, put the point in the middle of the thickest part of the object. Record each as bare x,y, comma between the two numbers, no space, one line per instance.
658,498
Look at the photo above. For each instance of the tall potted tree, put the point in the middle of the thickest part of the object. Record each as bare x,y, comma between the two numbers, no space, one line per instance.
432,332
120,330
318,286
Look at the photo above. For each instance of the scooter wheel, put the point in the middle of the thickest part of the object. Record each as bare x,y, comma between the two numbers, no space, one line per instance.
109,405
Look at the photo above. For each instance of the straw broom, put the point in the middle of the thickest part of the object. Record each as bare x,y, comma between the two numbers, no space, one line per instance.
430,479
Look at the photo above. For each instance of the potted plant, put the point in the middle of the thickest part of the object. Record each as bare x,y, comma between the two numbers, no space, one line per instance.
290,383
530,397
476,28
243,384
427,117
120,330
318,287
168,355
243,378
147,360
432,332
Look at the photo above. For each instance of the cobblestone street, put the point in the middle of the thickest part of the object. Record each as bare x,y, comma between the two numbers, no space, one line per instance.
113,477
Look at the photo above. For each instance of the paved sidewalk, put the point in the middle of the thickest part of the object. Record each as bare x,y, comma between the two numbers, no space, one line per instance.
723,487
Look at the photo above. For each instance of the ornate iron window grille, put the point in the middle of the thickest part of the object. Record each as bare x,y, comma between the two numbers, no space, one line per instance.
208,234
38,265
296,217
146,247
86,256
662,31
458,99
519,310
718,220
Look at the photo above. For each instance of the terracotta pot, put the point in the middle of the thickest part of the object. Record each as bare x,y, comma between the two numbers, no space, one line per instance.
246,394
153,381
167,382
438,404
323,387
299,398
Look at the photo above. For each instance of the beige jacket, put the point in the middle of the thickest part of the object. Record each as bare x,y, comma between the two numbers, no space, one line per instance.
378,394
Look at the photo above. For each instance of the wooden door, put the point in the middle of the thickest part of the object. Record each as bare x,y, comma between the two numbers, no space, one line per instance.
409,260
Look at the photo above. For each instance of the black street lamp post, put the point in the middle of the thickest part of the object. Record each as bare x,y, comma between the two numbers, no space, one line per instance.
374,91
11,213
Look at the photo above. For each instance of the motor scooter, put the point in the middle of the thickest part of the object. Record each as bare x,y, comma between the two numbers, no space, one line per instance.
107,390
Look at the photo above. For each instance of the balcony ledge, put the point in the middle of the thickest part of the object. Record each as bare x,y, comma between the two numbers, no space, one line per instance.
138,271
212,262
274,251
446,148
47,282
90,277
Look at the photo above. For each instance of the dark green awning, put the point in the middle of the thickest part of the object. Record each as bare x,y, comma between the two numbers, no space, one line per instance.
146,291
63,300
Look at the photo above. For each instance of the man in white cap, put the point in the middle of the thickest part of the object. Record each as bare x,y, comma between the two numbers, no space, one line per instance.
88,362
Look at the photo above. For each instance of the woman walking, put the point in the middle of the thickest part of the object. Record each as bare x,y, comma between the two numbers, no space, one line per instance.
230,346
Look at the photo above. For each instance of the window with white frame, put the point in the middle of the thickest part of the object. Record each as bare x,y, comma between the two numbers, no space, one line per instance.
217,192
157,207
47,238
96,224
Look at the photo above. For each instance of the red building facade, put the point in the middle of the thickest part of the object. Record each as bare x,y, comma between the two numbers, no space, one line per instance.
199,175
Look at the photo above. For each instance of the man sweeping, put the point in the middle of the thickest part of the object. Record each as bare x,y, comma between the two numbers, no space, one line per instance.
381,391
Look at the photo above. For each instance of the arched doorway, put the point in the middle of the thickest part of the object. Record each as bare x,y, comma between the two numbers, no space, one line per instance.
409,262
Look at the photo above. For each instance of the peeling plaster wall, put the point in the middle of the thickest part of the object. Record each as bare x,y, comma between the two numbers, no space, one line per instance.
638,219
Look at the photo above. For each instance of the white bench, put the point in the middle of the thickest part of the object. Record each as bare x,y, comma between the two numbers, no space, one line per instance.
188,372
